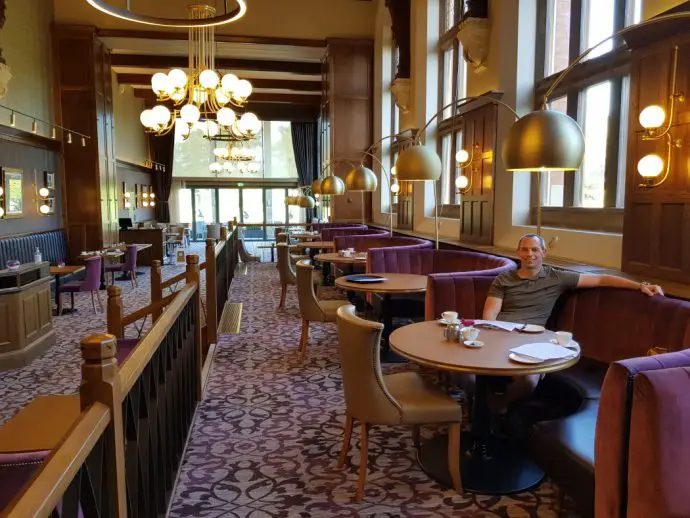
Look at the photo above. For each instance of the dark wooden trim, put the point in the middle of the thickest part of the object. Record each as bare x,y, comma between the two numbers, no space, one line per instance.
167,62
221,38
284,84
131,165
579,218
542,35
27,138
258,97
613,147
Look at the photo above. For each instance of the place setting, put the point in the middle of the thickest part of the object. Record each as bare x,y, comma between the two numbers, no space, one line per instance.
560,348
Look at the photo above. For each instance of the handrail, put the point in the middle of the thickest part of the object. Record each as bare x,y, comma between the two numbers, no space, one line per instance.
142,353
47,488
202,266
219,247
174,280
147,310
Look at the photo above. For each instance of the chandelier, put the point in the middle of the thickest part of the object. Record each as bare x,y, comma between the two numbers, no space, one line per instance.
210,21
202,95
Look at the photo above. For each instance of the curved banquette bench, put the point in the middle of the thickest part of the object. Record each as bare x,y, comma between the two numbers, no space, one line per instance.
363,243
329,234
615,329
323,226
53,246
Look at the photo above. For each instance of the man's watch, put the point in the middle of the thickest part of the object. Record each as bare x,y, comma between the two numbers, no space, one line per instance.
643,284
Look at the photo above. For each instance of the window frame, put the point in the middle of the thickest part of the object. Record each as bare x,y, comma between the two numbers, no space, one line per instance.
450,125
612,66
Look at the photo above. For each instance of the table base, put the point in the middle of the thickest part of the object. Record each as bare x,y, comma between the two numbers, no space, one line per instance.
498,467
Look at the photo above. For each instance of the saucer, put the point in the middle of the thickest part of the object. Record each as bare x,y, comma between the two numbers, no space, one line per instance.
524,359
531,328
474,344
572,345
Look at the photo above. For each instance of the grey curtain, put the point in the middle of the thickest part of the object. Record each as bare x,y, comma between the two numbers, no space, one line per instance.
305,145
163,152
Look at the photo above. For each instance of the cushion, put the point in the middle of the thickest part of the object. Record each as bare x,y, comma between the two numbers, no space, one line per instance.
52,244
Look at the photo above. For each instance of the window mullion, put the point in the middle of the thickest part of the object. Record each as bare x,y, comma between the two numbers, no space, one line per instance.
612,145
569,179
576,30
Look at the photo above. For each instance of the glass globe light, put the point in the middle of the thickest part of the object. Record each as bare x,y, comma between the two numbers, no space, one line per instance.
461,182
182,130
128,195
199,95
178,95
209,79
2,212
229,83
652,117
190,113
160,83
148,119
221,152
145,204
211,128
215,167
650,166
128,205
394,171
250,123
395,188
43,192
227,166
152,195
462,156
244,89
44,209
221,97
152,203
162,114
2,191
178,78
225,117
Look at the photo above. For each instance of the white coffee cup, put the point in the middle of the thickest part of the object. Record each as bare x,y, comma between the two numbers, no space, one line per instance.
564,337
449,316
469,333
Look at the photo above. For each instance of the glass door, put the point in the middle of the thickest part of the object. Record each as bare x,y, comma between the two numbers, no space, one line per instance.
229,205
205,211
253,208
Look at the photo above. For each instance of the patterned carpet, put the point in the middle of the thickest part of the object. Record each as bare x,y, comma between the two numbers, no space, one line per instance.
58,371
268,432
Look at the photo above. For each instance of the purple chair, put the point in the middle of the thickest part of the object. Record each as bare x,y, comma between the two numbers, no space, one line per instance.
91,282
130,265
16,469
364,242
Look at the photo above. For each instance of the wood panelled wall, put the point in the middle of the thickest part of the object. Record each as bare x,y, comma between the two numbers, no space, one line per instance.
133,174
84,92
349,82
477,206
656,235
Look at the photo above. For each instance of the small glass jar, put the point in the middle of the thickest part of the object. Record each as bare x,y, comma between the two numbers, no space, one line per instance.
452,332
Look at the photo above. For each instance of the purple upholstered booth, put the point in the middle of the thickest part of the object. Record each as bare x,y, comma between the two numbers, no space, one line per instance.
624,421
466,295
323,226
363,243
659,463
329,234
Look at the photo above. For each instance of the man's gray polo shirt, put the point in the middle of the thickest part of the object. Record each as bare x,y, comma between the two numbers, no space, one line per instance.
530,301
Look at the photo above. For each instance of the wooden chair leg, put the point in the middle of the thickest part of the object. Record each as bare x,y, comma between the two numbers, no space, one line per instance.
283,292
72,295
415,436
132,280
59,304
134,276
304,339
93,302
98,297
349,421
454,455
363,456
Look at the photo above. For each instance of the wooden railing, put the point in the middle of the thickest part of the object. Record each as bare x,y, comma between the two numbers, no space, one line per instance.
120,458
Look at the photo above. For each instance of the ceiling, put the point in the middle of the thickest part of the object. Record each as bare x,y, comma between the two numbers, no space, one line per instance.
278,45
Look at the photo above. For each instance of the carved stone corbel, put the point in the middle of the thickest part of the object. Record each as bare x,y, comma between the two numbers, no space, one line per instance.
401,91
5,70
473,35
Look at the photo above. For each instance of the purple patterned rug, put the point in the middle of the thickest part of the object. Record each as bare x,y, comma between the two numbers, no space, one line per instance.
268,433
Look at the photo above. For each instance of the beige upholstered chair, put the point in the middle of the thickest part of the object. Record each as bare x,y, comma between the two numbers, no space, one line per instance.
310,307
287,273
402,398
293,257
245,256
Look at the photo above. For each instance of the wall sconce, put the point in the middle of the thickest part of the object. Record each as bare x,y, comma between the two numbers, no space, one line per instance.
148,199
652,119
44,195
465,160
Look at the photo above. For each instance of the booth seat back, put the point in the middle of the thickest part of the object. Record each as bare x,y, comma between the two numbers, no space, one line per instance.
466,295
323,226
329,234
425,262
616,431
363,243
614,324
53,246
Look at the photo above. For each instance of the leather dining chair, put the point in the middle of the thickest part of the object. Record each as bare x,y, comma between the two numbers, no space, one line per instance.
288,276
310,307
402,398
130,265
91,282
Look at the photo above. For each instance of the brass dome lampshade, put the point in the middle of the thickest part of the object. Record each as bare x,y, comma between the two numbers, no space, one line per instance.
316,186
332,185
418,164
361,179
306,202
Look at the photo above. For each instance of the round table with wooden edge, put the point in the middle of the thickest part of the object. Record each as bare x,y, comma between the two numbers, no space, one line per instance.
347,264
317,245
301,236
395,284
489,464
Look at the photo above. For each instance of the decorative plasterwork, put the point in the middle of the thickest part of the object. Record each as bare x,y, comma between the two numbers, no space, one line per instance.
401,91
5,70
473,34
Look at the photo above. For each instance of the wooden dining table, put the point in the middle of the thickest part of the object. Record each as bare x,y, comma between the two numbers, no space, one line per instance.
489,464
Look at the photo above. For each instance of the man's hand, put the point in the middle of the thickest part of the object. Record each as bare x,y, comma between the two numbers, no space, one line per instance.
651,289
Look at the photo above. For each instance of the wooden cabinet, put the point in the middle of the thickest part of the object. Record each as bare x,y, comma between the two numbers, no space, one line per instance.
142,236
85,100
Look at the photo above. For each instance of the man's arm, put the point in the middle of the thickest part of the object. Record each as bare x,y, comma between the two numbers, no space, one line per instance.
492,307
613,281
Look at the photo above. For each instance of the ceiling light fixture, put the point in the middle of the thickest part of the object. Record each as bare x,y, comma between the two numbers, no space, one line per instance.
212,21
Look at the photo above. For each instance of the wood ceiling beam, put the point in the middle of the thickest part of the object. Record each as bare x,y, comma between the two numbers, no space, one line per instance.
283,84
257,97
220,38
167,62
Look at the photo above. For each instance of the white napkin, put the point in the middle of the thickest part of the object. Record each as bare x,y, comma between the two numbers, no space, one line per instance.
507,326
543,351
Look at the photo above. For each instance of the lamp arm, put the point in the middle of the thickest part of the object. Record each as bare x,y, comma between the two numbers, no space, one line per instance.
331,163
459,102
669,149
375,144
624,30
388,180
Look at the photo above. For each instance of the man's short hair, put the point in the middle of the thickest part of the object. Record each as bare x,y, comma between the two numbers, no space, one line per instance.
535,236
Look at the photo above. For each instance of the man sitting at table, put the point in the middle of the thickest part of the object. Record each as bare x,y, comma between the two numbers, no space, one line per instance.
527,296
